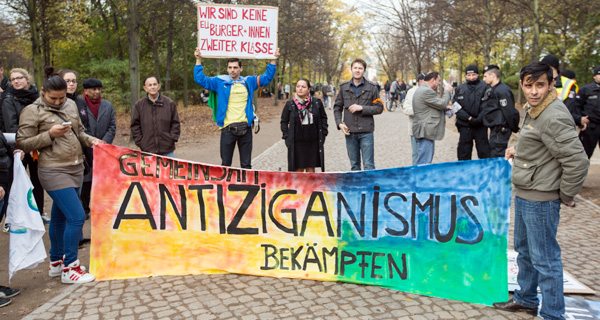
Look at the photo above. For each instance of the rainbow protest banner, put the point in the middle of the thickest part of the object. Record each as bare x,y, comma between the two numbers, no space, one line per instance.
438,230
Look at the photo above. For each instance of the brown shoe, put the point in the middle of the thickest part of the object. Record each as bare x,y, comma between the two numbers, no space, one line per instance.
512,305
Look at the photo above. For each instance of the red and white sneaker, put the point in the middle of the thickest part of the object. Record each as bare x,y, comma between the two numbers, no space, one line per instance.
74,273
55,268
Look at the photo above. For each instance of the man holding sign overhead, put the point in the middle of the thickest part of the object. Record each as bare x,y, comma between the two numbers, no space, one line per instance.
234,105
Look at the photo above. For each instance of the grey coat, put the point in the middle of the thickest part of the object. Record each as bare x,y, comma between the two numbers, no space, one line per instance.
360,121
429,110
104,127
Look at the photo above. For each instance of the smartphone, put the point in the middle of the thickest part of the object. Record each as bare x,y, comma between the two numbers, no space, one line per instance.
66,124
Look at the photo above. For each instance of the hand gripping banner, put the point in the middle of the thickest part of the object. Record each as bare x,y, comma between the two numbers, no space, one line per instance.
439,230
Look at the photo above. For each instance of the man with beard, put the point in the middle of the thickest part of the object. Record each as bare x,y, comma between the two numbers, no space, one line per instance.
235,114
469,119
101,123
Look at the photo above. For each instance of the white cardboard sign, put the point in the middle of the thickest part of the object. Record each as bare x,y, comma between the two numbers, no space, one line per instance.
226,31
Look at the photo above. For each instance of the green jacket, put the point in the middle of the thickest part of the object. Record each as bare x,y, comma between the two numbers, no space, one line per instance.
549,162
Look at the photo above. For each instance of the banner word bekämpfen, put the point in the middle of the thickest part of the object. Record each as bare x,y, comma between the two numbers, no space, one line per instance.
237,31
438,230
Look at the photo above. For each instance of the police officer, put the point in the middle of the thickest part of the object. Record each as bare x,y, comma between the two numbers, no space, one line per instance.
469,120
569,96
499,111
566,88
588,101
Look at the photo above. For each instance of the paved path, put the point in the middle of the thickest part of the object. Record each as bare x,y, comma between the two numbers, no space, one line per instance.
231,296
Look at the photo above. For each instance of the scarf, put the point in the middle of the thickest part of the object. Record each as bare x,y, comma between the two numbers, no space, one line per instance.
303,109
93,104
25,96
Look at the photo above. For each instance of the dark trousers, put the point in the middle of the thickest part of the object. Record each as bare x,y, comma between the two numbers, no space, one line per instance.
499,137
590,138
86,189
465,142
38,191
244,143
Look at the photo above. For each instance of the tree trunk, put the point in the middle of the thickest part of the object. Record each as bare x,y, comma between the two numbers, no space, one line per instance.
133,35
535,51
171,30
487,46
36,49
185,70
45,32
98,4
115,17
154,41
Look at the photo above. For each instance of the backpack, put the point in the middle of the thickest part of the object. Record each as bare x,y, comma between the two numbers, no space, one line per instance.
386,87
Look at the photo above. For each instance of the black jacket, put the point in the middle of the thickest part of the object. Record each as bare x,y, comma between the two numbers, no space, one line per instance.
469,95
368,98
4,85
588,101
13,104
289,121
499,107
6,161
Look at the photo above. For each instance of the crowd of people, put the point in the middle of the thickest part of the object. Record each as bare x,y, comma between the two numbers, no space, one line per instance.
56,130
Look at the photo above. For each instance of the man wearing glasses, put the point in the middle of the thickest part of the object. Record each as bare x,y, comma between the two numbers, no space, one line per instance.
99,121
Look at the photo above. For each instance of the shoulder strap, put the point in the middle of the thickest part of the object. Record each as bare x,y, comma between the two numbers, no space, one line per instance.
58,115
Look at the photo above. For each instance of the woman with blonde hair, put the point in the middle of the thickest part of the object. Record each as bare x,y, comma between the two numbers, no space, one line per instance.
20,94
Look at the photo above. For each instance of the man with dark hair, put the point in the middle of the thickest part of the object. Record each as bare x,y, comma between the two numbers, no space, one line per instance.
99,121
588,103
155,123
235,112
469,120
499,112
430,119
354,107
566,89
550,167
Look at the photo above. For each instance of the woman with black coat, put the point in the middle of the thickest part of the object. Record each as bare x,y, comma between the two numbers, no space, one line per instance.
304,128
20,94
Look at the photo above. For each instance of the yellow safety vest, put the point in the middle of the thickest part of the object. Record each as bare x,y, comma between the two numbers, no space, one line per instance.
567,84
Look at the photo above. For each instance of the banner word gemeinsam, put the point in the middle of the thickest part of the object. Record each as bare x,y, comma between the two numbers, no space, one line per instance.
226,31
439,230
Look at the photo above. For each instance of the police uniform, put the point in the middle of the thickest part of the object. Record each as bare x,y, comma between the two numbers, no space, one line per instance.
567,89
588,101
469,95
499,115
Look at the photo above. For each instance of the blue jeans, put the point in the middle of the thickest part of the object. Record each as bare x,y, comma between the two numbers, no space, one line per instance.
539,261
425,151
325,100
361,143
65,225
168,154
415,150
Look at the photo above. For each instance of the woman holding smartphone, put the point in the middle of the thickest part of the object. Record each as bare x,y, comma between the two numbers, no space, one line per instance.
52,126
